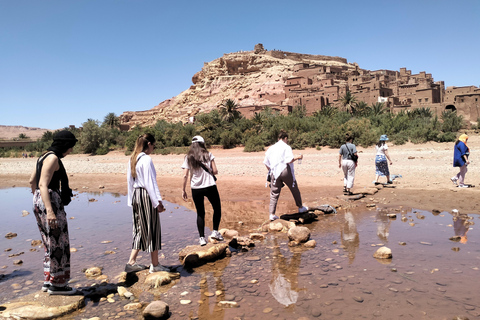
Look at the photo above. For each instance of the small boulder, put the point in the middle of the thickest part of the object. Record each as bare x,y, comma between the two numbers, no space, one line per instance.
228,234
310,244
257,236
299,234
158,279
383,253
93,272
197,255
156,310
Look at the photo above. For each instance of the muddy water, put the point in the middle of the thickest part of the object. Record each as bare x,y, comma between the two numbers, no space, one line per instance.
432,274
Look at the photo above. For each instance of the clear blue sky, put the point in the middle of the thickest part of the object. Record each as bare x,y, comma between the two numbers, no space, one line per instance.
63,62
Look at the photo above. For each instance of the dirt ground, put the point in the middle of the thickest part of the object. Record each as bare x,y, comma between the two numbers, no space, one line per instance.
426,170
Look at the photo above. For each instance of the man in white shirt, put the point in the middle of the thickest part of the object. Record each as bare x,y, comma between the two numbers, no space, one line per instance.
279,161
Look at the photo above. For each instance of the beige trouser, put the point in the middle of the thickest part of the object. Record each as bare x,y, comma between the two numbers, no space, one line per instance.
276,186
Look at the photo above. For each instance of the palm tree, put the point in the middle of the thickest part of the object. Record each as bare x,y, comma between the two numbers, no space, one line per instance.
348,101
361,108
228,111
377,108
111,120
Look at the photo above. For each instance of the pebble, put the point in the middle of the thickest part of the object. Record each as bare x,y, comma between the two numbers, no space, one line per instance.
185,301
254,258
209,294
228,304
132,306
267,310
18,262
358,299
10,235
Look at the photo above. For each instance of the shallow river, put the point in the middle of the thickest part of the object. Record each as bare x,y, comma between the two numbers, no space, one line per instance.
433,273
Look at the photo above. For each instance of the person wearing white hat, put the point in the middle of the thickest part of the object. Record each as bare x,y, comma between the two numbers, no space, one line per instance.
200,165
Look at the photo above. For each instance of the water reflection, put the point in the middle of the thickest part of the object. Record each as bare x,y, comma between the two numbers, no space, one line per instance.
461,225
350,236
383,226
212,291
284,282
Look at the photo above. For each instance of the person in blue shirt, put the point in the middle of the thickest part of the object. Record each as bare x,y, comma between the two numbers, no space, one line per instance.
460,159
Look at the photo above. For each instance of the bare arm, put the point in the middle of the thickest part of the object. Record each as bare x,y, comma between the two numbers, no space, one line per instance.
388,157
339,160
185,178
296,158
214,167
50,165
33,180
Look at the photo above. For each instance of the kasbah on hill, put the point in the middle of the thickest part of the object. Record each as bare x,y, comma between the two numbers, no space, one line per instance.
313,81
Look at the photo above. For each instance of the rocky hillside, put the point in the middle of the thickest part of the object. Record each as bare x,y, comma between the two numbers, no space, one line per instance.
12,132
249,77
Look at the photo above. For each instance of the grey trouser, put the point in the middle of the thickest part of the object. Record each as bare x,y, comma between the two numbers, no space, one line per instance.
276,186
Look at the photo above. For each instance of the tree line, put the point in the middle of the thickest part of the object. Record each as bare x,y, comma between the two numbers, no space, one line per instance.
227,127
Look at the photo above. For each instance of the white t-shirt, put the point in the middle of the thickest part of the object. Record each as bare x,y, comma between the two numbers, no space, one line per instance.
199,178
278,157
381,150
146,179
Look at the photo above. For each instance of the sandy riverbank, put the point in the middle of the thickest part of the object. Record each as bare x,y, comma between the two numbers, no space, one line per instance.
426,170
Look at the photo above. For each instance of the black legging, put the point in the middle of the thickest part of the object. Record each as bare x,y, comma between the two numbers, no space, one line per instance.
212,195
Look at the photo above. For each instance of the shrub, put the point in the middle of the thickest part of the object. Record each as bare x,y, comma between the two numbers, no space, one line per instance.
254,144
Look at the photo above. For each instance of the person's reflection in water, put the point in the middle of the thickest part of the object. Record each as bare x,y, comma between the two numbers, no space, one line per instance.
461,225
383,226
350,237
283,285
218,293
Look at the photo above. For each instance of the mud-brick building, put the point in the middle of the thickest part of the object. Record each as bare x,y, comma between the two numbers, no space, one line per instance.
464,100
315,86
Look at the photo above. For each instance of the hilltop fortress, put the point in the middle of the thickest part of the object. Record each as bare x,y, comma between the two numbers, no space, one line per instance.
282,80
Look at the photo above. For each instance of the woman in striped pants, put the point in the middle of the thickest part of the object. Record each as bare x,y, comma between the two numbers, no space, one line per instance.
145,199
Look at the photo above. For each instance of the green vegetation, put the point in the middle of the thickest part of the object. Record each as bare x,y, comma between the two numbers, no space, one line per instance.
226,127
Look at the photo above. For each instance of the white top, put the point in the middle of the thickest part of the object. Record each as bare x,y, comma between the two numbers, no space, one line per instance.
277,157
381,150
199,178
146,179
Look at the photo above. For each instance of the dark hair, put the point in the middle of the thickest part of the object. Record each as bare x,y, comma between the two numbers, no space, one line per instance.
380,143
198,153
348,137
282,134
140,146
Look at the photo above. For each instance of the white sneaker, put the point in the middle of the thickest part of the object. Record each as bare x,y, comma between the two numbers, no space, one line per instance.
202,241
462,186
158,268
216,235
454,180
273,217
302,209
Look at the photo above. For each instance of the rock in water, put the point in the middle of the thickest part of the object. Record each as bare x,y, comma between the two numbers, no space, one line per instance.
157,279
383,253
197,255
156,310
299,234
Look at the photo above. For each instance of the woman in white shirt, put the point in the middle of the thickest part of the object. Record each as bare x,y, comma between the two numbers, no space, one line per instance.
145,199
381,165
200,165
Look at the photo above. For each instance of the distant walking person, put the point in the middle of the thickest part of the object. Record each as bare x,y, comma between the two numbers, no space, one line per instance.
145,199
279,162
381,165
51,192
460,159
347,160
200,165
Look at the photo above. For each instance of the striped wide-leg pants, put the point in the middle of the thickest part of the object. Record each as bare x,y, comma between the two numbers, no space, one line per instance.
146,223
